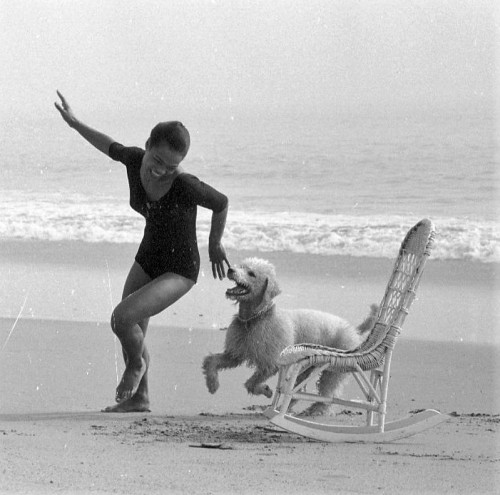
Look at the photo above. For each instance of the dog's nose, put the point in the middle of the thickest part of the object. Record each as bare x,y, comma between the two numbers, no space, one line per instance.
230,271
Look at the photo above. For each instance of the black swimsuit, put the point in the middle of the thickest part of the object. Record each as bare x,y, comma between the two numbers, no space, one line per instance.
169,243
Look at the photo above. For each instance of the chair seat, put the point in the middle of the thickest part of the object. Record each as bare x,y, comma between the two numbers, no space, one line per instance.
338,359
296,352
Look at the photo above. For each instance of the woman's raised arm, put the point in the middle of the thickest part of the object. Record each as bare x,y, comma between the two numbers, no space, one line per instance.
97,139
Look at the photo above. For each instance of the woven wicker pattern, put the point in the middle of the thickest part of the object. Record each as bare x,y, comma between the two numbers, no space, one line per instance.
397,300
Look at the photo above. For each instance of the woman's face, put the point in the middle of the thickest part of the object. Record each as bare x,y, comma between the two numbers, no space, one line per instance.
161,162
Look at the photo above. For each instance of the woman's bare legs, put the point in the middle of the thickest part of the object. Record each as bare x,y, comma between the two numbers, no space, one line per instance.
139,402
142,298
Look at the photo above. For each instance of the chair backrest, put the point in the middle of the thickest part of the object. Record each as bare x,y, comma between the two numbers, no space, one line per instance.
399,295
401,289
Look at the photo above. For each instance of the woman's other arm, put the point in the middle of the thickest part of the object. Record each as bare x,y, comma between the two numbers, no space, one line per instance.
97,139
216,251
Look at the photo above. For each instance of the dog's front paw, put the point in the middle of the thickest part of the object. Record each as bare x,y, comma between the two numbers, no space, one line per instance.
211,376
263,389
212,384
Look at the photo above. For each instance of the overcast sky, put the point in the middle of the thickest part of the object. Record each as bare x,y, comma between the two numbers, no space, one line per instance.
206,53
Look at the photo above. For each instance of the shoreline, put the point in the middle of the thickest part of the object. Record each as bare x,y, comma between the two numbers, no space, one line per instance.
75,281
45,251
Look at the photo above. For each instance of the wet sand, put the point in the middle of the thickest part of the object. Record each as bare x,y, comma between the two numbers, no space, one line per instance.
59,366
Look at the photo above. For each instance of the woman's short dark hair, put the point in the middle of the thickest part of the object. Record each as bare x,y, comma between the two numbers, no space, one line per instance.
172,133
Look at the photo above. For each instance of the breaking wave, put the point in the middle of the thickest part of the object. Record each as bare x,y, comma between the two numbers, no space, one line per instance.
57,218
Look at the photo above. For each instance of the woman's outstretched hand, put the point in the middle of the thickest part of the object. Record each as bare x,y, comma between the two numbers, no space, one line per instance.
218,257
96,138
65,110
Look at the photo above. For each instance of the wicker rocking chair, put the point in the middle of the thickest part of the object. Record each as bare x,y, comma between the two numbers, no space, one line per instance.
302,364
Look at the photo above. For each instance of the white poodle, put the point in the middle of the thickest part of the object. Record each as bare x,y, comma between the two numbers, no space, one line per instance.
260,331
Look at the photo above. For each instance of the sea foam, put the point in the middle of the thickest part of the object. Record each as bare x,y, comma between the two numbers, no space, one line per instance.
59,219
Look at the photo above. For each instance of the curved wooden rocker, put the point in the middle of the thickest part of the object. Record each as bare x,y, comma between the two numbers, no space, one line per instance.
302,364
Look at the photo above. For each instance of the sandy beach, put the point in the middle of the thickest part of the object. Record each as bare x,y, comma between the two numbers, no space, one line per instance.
59,366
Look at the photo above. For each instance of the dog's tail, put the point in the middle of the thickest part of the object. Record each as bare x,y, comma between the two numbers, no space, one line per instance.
369,321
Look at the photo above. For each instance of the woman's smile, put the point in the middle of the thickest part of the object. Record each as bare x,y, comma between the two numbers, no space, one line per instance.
160,173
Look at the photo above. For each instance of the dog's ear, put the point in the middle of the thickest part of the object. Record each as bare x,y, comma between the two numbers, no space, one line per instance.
272,289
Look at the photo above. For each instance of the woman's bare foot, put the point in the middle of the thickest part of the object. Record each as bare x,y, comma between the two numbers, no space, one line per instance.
130,381
136,403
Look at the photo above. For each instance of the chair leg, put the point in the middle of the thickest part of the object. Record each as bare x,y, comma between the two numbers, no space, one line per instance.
384,387
286,383
375,380
278,392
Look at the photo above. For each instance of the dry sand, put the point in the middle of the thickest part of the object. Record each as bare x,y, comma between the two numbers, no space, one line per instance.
57,375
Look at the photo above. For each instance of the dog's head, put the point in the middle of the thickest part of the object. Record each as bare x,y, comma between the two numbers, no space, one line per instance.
255,282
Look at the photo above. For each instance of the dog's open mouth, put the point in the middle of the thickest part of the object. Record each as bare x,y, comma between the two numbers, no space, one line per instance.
237,291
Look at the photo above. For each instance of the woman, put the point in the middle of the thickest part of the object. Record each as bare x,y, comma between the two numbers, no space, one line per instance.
167,263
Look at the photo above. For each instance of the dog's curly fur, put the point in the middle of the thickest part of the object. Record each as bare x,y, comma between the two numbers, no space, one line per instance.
260,331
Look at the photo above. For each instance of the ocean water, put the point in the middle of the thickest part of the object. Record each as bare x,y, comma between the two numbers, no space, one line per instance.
323,183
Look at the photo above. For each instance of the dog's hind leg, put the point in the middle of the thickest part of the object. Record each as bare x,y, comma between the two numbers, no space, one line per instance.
255,385
330,385
215,362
